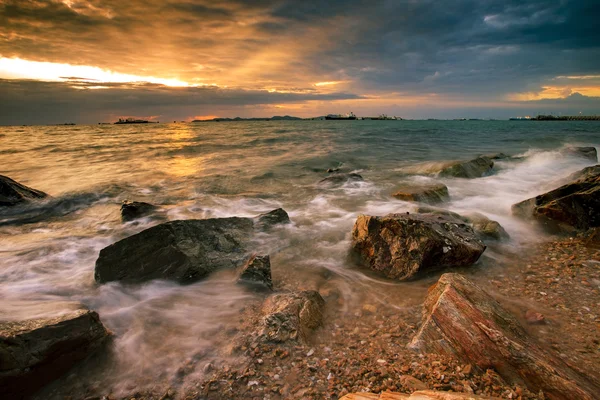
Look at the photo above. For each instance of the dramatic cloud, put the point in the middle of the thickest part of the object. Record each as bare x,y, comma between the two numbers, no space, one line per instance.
393,56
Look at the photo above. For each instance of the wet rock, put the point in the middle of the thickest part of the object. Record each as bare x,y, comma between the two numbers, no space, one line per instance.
480,166
463,321
275,217
13,193
131,210
291,316
35,352
183,251
340,178
427,193
584,152
497,156
569,208
486,228
333,170
419,395
400,246
256,273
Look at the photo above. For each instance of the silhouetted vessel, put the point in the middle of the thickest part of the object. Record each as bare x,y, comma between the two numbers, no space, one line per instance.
131,121
339,117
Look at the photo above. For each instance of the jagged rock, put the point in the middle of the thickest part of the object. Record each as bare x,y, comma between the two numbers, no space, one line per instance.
13,193
427,193
291,316
571,207
131,210
463,321
183,251
35,352
275,217
585,152
484,227
481,166
419,395
400,246
256,272
340,179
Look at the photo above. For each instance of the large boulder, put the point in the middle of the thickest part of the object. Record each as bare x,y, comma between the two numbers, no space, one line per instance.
571,207
131,210
400,246
291,316
418,395
35,352
183,251
13,193
463,321
256,273
476,168
424,193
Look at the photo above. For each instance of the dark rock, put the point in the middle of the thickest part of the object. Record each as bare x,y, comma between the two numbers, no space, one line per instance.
256,273
183,251
340,179
497,156
481,166
131,210
332,170
569,208
484,227
463,321
13,193
400,246
35,352
275,217
584,152
291,316
428,193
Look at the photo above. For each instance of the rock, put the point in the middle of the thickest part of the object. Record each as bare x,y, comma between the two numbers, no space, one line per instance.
463,321
332,170
183,251
584,152
486,228
35,352
412,383
400,246
291,316
534,318
481,166
256,273
569,208
131,210
340,178
13,193
497,156
275,217
428,193
419,395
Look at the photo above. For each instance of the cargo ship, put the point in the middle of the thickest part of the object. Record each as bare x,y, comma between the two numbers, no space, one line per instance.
338,117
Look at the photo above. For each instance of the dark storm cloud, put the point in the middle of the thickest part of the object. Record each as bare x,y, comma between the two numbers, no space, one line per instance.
30,102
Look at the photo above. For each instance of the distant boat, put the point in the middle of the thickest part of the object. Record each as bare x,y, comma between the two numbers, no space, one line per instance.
383,117
526,118
131,121
339,117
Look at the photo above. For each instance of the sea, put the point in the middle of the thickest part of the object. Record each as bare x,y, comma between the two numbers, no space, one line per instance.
212,170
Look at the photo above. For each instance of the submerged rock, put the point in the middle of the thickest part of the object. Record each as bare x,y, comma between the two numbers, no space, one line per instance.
183,251
400,246
418,395
131,210
571,207
340,179
589,153
481,166
463,321
275,217
13,193
35,352
256,273
291,316
425,193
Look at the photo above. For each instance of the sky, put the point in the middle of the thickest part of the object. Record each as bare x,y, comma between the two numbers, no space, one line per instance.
89,61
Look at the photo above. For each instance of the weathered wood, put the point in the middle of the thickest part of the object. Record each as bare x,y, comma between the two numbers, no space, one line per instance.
462,320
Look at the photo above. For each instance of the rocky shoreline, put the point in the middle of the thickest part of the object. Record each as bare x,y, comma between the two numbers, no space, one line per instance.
471,338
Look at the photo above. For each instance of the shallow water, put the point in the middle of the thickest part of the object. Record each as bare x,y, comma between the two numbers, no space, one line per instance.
48,251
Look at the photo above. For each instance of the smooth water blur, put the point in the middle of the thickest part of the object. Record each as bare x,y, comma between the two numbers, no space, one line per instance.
205,170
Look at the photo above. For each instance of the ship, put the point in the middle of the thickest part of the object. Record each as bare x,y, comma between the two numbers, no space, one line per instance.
131,121
383,117
338,117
